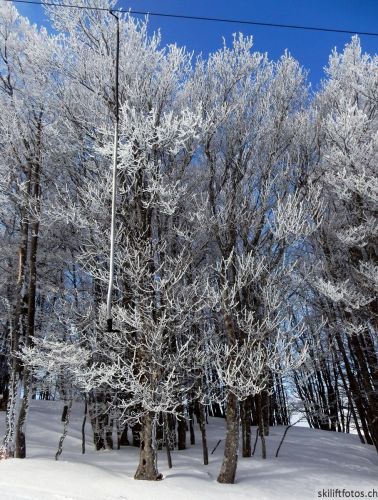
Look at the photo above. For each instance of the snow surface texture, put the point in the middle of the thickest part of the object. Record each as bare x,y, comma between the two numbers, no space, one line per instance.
309,461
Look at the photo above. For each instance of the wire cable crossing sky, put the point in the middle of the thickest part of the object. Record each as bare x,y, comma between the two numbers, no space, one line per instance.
203,18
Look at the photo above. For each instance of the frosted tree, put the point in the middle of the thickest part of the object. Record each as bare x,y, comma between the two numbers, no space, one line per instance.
29,150
155,303
84,60
347,281
261,204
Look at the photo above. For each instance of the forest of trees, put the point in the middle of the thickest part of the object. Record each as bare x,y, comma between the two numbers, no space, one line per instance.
246,236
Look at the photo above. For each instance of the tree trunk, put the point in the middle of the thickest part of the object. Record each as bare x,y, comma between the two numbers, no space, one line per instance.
166,441
64,413
265,412
136,431
83,426
261,425
124,439
147,469
96,413
191,425
245,408
109,433
20,450
181,431
18,329
20,441
159,432
65,430
202,426
230,458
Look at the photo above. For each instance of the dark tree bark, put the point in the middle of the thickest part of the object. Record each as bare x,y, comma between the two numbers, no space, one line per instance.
160,432
200,411
191,426
254,411
65,430
109,434
230,458
245,417
171,420
147,469
124,439
265,412
18,330
83,426
166,441
261,426
136,430
20,451
97,418
181,431
64,413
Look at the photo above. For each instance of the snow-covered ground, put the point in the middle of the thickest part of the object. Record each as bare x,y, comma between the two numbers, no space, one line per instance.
310,461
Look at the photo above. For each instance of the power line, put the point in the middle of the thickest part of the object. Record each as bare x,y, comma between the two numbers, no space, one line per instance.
201,18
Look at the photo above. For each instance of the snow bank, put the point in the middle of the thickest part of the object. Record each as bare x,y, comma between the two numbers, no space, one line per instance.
310,461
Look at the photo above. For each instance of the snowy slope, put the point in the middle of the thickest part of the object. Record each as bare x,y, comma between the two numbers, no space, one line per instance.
310,460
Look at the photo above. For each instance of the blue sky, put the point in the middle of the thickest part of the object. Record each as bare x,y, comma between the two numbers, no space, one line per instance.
310,48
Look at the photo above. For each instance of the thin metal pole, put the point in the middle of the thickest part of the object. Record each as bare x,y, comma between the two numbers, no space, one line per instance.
109,319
